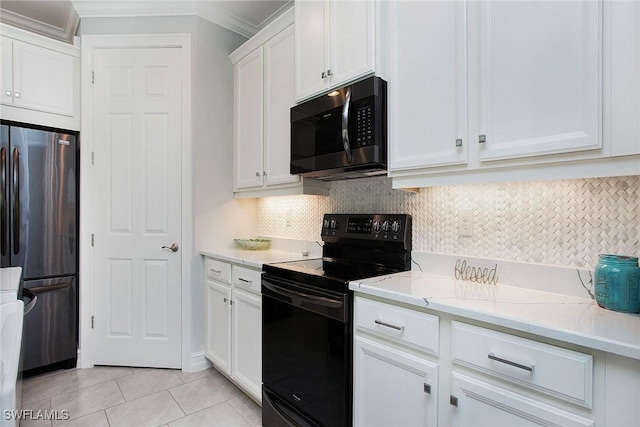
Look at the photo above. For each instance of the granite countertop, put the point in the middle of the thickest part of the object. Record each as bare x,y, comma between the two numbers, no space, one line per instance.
254,259
571,319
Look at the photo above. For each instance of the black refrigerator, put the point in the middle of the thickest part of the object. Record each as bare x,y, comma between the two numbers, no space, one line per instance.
39,225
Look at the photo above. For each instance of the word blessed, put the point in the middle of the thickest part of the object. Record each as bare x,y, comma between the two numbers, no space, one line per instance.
28,414
475,274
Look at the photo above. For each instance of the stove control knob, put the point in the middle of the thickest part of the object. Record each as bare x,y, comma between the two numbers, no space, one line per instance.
333,224
395,226
377,226
326,223
385,226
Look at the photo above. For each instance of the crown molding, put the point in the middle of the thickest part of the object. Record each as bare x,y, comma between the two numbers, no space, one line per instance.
64,34
205,10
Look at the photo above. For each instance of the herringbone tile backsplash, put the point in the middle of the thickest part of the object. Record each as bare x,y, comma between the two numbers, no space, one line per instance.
566,223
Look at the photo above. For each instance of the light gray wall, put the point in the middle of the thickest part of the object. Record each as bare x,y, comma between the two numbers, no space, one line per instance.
218,218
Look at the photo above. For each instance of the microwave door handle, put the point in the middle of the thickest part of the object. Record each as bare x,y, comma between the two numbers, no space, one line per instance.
345,127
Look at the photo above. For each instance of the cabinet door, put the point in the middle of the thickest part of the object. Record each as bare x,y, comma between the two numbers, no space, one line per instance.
217,327
43,79
248,118
352,40
278,100
6,70
311,48
428,103
393,388
539,77
247,341
482,404
625,80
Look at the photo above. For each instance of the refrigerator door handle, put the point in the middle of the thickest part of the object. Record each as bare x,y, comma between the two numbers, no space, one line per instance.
4,243
33,300
16,201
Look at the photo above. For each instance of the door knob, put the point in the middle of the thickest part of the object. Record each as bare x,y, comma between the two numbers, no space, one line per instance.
174,247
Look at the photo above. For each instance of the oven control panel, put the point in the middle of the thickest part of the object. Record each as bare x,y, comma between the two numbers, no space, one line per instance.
393,227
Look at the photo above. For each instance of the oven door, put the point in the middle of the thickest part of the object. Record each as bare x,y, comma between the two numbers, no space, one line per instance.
306,355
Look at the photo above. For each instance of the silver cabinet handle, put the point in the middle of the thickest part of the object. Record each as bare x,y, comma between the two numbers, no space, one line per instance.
257,174
482,139
225,300
427,388
244,280
529,368
323,75
453,400
389,325
214,271
329,73
17,94
173,248
9,93
458,142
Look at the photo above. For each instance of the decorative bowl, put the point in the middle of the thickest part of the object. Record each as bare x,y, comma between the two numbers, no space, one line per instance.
253,244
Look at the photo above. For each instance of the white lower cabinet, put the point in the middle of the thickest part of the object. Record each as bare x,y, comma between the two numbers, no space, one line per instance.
392,387
478,403
233,324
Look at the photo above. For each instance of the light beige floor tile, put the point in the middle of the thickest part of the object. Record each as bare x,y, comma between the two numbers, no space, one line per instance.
219,415
159,408
203,393
187,377
140,370
149,382
88,400
97,419
99,374
42,387
246,407
34,420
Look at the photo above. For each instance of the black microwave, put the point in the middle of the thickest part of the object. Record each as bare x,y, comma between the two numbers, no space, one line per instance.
342,134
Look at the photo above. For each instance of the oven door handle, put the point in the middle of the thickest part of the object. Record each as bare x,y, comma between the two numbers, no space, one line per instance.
325,302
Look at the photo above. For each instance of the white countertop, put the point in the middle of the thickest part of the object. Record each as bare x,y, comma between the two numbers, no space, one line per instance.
566,318
254,259
9,283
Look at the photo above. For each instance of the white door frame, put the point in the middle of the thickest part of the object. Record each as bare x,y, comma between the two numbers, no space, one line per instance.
89,44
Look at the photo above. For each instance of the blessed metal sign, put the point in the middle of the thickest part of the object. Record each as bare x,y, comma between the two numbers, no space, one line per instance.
462,271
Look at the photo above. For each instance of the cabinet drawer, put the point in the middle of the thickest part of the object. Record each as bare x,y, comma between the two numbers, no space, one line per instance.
246,278
556,371
217,270
409,327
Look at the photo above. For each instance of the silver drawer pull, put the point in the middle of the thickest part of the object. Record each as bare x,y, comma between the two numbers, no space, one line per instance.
509,362
215,271
388,325
244,280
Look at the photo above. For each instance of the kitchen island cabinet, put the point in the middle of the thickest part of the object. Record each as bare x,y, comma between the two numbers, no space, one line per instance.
508,355
39,80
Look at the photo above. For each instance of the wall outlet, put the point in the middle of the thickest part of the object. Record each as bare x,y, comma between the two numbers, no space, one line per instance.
465,222
288,219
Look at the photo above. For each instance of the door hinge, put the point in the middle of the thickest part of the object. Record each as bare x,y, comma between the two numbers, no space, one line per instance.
92,239
93,158
93,76
91,322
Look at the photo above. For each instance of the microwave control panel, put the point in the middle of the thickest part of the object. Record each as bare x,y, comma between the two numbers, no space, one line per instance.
364,126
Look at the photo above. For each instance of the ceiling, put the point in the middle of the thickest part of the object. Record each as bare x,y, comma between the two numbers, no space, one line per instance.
60,18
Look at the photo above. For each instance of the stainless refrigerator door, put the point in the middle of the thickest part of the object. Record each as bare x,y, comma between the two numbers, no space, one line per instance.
4,196
50,328
43,202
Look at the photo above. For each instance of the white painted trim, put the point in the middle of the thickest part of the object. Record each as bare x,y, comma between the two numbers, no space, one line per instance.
205,10
198,362
280,24
64,33
89,44
39,40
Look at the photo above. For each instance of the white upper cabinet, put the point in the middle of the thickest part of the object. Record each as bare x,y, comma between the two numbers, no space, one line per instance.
428,87
248,116
335,44
625,78
279,98
539,77
39,80
264,94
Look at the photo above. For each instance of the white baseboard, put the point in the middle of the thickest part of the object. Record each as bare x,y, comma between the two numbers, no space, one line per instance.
197,363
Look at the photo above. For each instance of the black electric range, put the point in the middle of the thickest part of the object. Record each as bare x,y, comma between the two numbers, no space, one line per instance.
307,318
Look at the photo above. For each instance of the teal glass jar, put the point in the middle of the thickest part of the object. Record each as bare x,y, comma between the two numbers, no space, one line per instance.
617,283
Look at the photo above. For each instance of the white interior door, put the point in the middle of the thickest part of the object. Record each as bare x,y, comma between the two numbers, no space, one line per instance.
137,176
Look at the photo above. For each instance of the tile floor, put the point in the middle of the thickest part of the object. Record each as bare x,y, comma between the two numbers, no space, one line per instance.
116,396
